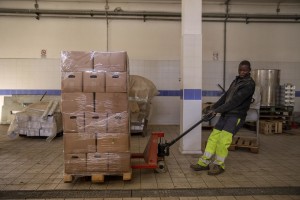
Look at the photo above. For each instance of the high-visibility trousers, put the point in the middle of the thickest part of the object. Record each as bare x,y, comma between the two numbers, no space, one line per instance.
219,141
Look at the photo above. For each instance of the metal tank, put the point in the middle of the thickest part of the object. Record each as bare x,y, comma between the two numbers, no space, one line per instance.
269,82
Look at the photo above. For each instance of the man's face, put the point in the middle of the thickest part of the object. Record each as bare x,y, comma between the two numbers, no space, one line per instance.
243,71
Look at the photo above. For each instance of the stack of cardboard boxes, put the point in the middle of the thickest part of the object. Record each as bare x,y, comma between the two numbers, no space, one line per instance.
37,119
95,112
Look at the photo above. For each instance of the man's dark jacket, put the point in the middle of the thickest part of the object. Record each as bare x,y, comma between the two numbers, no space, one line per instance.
237,99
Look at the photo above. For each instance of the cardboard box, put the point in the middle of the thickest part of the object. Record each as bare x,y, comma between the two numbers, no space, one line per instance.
111,102
117,123
76,61
33,125
79,142
77,102
33,132
110,61
73,122
22,131
22,124
75,163
45,124
119,162
93,81
95,122
116,82
97,162
47,132
112,142
22,117
71,81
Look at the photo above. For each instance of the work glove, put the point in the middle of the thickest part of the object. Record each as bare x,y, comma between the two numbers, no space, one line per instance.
207,109
210,114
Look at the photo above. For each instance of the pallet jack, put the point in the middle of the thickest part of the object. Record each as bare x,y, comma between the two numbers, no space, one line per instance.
155,152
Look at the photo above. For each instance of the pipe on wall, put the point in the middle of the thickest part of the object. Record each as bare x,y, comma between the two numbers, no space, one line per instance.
147,15
224,43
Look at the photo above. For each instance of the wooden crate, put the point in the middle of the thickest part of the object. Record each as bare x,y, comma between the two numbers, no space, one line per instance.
269,127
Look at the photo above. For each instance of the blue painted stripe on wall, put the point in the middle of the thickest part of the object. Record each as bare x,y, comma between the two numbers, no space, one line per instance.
30,92
180,92
190,94
211,93
172,93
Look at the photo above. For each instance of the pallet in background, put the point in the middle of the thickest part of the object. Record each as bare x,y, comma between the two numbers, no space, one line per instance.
269,127
244,142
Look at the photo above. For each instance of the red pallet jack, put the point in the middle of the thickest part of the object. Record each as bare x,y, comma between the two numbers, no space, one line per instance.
155,152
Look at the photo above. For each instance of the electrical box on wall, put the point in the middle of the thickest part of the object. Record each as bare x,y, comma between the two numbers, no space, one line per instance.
215,55
43,53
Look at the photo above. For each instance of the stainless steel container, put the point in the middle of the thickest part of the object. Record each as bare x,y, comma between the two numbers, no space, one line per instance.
269,82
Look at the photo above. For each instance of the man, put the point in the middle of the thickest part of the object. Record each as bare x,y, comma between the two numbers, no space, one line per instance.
233,106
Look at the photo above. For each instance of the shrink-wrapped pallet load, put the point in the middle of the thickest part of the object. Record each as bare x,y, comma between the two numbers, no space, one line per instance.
41,119
141,93
95,114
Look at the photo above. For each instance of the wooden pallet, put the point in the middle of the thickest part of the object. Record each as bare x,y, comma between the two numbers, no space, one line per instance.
269,127
98,177
244,142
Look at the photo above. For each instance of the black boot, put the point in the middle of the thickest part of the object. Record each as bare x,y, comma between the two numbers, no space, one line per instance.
215,170
197,167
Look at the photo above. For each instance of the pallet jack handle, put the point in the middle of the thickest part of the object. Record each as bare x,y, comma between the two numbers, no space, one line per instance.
164,148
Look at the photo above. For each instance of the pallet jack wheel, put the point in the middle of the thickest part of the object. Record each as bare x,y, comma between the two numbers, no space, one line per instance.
161,167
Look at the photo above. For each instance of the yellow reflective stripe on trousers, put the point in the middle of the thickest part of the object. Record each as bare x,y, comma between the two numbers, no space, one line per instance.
205,159
219,161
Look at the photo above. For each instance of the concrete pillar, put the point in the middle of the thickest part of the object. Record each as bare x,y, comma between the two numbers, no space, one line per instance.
191,75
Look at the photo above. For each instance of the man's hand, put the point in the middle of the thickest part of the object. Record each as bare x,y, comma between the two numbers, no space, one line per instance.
211,114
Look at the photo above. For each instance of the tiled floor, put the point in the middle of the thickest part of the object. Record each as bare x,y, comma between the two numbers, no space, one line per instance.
33,164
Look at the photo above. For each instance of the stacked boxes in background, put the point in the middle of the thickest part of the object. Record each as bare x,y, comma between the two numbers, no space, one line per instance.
95,112
37,119
287,94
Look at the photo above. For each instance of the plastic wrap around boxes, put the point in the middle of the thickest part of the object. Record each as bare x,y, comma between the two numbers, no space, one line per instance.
141,92
37,119
95,112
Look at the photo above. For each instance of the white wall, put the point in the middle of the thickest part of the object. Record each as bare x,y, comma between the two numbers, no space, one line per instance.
153,48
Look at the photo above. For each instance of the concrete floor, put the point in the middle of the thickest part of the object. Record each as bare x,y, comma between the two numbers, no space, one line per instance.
32,168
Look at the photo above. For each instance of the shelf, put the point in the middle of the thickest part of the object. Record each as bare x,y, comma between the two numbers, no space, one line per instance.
282,113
